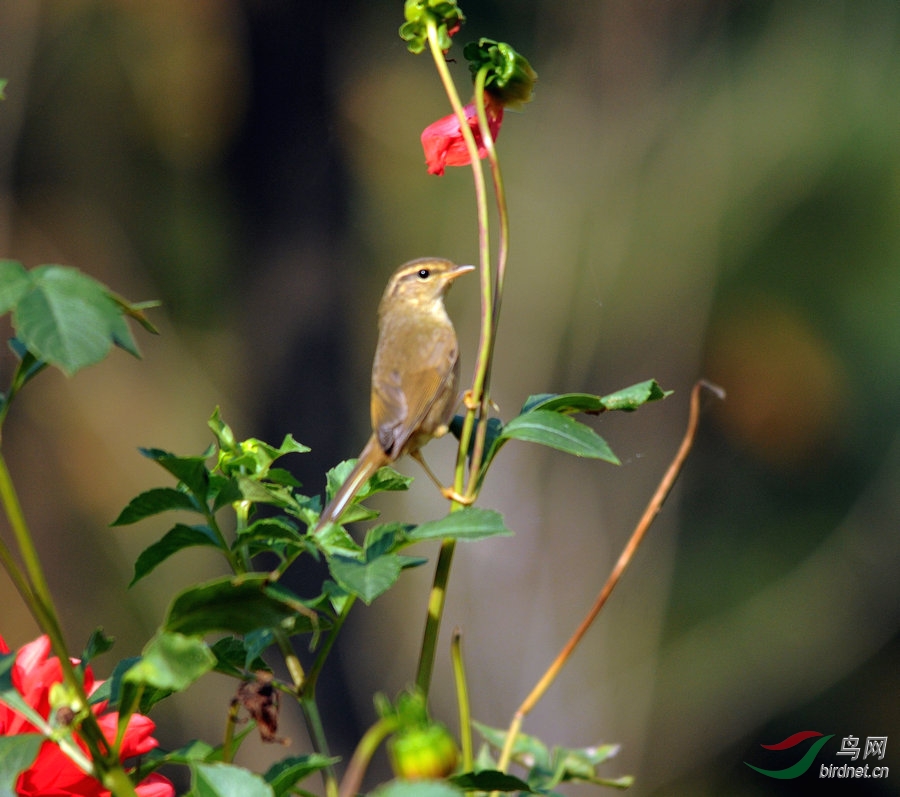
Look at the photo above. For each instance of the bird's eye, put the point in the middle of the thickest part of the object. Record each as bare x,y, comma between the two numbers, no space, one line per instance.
424,273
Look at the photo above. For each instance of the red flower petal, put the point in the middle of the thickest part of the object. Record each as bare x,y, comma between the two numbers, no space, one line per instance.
53,773
443,140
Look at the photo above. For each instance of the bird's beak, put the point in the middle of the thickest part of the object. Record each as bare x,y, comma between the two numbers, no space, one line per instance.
459,271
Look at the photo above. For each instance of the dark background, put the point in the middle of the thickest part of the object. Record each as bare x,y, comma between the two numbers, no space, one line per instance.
699,189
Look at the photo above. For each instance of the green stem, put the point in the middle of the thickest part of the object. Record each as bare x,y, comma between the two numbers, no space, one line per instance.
366,748
317,733
305,689
462,699
436,601
35,591
477,397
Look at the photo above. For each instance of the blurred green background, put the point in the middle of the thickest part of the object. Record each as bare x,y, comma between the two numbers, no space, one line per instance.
699,189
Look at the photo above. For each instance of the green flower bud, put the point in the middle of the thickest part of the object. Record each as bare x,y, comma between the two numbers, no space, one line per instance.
445,14
429,752
510,78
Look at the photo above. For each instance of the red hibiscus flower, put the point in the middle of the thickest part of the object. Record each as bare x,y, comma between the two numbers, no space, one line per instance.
53,773
443,140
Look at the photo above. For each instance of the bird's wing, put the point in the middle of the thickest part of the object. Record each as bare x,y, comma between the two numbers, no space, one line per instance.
405,395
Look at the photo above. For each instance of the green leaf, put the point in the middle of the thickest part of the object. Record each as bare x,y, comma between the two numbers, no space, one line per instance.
417,788
98,643
627,399
560,432
528,746
490,780
630,398
191,471
238,605
29,365
171,662
176,539
367,580
153,502
470,523
16,754
333,539
564,402
286,774
66,318
234,657
270,530
385,538
14,284
226,780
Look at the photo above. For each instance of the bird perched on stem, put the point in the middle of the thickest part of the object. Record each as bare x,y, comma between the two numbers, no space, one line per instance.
415,374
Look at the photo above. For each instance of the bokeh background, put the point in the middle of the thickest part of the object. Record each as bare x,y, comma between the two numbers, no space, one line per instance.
700,188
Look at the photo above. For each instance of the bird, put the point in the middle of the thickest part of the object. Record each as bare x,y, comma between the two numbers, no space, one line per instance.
415,375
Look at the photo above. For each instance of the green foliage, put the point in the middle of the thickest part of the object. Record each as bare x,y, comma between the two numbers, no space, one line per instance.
226,780
509,76
548,768
445,15
16,754
63,317
546,419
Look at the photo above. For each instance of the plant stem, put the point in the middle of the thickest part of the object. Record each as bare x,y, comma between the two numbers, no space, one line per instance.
462,699
477,400
372,738
637,536
35,592
436,602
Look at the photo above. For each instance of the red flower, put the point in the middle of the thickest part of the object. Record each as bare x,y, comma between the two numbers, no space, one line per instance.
443,140
53,773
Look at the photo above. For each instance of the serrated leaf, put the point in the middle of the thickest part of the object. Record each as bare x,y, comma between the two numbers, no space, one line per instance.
529,746
490,780
14,284
234,658
286,774
270,530
560,432
366,580
171,662
238,605
66,318
385,479
385,538
226,780
17,753
333,539
191,471
176,539
154,502
470,523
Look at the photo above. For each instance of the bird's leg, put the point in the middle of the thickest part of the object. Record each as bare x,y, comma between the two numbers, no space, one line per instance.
448,492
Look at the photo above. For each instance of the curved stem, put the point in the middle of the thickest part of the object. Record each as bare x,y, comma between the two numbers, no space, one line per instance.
637,536
372,738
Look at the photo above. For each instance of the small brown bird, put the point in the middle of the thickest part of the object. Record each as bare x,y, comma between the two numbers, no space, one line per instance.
415,375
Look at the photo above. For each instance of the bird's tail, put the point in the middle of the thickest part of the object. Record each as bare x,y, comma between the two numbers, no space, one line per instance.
370,460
